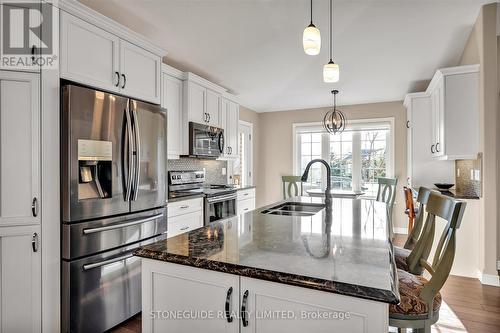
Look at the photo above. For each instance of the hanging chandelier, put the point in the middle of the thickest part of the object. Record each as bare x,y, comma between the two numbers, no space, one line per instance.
311,39
331,72
334,121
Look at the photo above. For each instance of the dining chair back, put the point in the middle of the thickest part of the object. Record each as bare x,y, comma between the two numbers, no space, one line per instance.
292,186
387,193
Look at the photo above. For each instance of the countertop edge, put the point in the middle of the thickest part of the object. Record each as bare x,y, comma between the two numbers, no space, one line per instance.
341,288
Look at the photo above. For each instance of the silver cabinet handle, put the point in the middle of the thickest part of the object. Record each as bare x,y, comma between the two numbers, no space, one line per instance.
34,242
117,79
183,207
245,194
245,209
209,117
122,225
34,207
107,262
437,147
221,198
124,81
432,149
184,228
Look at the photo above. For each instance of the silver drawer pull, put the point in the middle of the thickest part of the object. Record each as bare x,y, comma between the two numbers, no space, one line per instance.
119,226
184,228
184,207
245,194
107,262
245,209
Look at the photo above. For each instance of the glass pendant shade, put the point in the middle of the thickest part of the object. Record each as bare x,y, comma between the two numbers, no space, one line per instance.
331,72
311,40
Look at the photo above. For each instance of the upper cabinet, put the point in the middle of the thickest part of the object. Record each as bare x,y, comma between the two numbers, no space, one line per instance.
171,101
202,105
118,66
230,122
454,98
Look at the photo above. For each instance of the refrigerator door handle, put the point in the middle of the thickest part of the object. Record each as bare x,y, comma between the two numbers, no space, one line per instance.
137,168
128,185
123,225
107,262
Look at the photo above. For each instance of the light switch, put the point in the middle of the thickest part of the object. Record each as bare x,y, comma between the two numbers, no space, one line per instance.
472,174
458,173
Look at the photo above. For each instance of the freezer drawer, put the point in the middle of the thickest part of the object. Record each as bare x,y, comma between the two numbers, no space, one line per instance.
101,291
86,238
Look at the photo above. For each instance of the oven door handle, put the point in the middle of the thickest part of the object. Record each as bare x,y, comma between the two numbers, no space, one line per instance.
107,262
122,225
221,198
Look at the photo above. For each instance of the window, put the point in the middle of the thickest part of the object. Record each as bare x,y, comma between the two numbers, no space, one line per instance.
357,157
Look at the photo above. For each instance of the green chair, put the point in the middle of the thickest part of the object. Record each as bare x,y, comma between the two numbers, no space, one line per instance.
420,298
387,193
417,239
292,186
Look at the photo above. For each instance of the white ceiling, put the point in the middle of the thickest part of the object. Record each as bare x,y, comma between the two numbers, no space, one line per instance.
385,48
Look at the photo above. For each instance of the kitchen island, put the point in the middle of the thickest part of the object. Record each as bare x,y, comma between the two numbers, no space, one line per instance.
294,269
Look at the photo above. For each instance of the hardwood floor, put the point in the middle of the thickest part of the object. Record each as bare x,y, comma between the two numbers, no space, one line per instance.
468,306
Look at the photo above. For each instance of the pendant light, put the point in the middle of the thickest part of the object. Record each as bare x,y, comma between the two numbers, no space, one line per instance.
334,121
311,39
331,69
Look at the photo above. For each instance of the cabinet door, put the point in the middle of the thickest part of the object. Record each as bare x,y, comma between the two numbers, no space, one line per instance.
89,55
213,108
233,126
19,148
293,309
440,141
172,101
246,205
169,288
140,72
195,103
20,279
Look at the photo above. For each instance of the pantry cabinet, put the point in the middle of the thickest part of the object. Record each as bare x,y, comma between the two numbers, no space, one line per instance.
171,101
230,123
454,95
19,148
118,66
20,279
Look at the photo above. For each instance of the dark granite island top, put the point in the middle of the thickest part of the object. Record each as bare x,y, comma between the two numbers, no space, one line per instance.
345,250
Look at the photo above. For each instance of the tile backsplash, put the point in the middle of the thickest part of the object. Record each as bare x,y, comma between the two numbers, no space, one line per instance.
468,175
213,168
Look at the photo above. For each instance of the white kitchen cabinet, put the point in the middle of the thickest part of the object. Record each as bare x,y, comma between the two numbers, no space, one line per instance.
255,305
172,94
213,108
20,279
89,55
422,168
140,71
19,148
454,94
118,66
169,288
184,216
202,105
230,123
245,200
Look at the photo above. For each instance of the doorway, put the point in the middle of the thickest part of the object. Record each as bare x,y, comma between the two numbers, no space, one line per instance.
245,136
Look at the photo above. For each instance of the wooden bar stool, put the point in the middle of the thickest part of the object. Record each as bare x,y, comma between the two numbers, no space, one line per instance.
410,207
420,298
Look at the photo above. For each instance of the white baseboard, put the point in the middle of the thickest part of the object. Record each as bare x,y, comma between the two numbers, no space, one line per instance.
489,279
403,231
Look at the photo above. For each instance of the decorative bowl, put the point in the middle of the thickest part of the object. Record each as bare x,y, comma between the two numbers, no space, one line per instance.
443,186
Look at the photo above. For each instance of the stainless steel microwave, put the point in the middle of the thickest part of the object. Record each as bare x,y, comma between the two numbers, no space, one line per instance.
205,140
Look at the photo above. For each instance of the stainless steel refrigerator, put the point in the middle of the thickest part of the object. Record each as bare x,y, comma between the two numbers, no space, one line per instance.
113,199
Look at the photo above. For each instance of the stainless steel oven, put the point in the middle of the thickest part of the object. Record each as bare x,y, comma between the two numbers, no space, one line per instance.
218,207
205,141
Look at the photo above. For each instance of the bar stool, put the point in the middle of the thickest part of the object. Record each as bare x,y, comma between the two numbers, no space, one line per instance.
420,298
410,207
292,186
387,193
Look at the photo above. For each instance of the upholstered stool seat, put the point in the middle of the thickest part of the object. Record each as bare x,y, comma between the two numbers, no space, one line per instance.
400,255
411,305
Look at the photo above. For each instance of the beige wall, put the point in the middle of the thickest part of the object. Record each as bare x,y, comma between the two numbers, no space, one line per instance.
481,48
276,147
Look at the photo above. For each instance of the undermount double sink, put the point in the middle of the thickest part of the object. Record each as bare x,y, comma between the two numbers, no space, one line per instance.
294,209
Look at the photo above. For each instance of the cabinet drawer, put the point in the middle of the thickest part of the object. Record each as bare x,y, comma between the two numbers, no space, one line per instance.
246,194
184,223
246,205
184,207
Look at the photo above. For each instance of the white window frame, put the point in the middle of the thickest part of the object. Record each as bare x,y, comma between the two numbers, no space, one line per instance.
352,124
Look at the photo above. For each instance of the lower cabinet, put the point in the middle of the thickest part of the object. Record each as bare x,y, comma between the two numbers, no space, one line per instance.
20,279
245,201
184,216
177,298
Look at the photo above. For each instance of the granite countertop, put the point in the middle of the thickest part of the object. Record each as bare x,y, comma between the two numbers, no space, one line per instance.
344,249
457,195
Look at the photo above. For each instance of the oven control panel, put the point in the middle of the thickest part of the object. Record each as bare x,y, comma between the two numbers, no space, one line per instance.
186,177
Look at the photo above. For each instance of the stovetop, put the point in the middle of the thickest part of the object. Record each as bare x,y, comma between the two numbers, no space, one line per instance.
187,183
207,190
